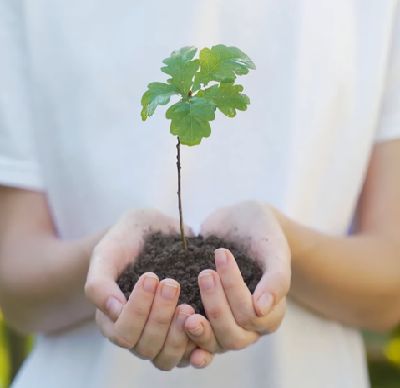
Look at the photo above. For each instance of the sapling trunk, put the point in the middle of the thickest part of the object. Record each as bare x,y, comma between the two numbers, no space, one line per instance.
178,165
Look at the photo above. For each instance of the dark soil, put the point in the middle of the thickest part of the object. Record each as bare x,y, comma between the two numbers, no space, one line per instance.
165,256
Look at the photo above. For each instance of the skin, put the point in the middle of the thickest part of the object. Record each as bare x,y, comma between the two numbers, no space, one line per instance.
361,273
149,324
237,319
31,300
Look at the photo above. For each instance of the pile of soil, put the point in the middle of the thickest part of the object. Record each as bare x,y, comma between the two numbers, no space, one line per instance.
164,255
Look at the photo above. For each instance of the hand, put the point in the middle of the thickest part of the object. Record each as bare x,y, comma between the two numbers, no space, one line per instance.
149,324
236,318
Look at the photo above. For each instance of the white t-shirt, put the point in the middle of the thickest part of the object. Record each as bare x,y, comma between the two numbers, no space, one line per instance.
326,88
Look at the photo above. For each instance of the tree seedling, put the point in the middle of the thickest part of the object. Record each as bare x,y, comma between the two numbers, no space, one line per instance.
203,85
191,79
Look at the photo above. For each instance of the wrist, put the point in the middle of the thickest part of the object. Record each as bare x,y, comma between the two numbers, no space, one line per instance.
88,244
302,240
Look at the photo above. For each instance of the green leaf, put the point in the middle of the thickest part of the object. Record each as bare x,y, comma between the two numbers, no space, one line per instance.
221,64
157,94
191,120
182,68
226,97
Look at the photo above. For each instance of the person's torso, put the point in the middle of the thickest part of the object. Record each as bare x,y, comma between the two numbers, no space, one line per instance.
303,144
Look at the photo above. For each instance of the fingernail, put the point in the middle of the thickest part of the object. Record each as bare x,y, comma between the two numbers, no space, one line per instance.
114,307
197,331
206,279
221,257
168,291
181,318
265,303
201,365
150,283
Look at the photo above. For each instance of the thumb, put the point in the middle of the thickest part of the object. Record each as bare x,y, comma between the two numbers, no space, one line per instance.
101,288
272,288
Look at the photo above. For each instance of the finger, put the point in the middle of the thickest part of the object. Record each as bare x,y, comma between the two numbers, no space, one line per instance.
185,361
106,326
228,333
273,254
134,315
273,320
238,295
157,326
247,314
200,358
199,330
102,290
176,342
119,247
273,288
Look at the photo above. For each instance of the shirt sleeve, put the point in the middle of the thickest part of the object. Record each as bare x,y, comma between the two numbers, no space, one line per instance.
18,162
389,122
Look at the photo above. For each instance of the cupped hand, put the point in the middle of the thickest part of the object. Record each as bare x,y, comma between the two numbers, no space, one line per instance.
150,324
236,318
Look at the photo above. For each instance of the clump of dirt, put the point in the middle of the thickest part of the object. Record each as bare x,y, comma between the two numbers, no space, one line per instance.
164,255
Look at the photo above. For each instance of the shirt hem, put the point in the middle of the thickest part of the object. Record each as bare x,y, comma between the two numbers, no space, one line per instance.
20,175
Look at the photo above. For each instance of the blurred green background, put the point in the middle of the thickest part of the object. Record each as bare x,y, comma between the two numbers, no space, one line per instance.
383,356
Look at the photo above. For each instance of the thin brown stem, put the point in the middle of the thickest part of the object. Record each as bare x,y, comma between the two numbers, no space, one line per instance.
178,165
